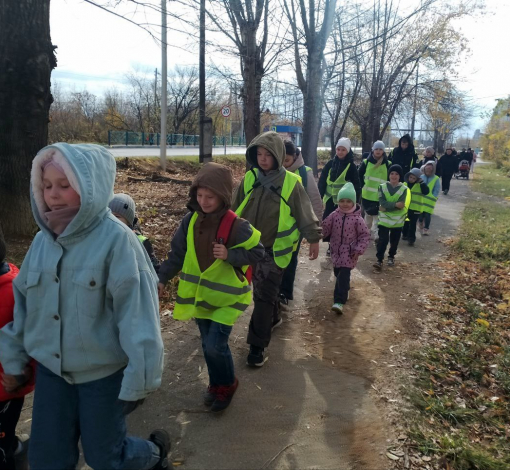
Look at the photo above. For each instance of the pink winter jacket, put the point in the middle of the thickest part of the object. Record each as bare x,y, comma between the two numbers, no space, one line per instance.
349,237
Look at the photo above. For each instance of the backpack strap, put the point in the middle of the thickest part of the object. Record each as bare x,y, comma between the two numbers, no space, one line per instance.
303,172
225,227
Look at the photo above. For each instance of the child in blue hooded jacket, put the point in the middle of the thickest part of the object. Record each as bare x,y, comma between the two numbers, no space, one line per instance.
86,309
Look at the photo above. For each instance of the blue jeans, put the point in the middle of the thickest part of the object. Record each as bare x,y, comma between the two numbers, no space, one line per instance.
63,413
216,351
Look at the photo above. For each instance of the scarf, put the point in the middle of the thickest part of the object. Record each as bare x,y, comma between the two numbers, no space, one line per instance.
59,219
267,180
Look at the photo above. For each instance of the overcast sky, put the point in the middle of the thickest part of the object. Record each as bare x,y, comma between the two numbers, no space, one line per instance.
96,49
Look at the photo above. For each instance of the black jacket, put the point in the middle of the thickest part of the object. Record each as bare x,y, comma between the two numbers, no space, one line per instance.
405,158
448,164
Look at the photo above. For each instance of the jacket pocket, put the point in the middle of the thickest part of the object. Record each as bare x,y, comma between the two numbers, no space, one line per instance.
90,292
33,291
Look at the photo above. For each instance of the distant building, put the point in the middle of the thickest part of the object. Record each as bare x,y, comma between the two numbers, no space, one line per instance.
293,133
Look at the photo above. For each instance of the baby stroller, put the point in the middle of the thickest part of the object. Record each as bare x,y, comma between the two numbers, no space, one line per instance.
463,170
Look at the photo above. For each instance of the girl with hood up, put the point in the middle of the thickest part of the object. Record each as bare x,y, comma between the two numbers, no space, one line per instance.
350,237
404,155
213,288
86,309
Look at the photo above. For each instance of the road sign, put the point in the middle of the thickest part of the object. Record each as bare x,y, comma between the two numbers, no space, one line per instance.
225,111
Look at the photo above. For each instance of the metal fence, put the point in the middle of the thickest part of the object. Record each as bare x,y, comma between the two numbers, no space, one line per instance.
127,138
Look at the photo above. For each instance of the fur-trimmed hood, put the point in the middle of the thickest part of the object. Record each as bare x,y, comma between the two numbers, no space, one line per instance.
90,170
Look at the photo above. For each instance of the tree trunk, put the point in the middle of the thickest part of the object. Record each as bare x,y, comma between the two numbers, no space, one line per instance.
312,110
26,61
252,86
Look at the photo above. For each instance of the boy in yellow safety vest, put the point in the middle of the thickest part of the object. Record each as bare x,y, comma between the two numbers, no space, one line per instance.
419,189
275,203
372,172
429,201
213,286
392,215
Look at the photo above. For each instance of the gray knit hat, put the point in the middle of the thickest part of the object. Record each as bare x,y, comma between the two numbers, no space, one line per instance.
378,144
123,205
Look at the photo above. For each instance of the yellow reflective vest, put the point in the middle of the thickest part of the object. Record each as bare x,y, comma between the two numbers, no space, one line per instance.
429,201
397,217
373,178
416,198
217,293
287,236
333,187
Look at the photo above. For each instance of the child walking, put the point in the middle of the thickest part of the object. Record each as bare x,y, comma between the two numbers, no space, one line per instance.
295,164
350,237
86,309
429,201
392,215
419,189
213,286
338,171
274,202
12,449
123,207
372,173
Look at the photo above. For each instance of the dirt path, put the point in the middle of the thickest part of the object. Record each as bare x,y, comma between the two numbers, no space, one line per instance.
317,401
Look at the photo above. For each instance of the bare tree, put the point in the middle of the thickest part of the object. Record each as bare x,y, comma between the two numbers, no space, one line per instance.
26,60
311,26
183,95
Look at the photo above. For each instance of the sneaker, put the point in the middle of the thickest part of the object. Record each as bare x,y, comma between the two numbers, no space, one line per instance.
276,324
338,308
391,261
328,253
255,357
161,438
378,265
426,232
283,300
405,237
410,242
224,396
210,395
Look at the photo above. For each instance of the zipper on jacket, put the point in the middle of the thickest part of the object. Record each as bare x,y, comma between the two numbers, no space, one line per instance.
342,234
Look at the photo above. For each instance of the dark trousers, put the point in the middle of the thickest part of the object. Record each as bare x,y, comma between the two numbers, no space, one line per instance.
267,279
391,236
409,230
425,218
63,413
342,285
446,180
289,276
216,351
10,411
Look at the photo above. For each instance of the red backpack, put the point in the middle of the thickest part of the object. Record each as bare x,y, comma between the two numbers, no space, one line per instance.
223,235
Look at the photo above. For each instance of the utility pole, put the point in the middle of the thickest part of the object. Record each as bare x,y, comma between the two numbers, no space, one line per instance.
415,102
205,148
162,143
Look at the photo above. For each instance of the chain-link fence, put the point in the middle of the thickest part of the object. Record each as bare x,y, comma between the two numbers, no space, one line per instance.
127,138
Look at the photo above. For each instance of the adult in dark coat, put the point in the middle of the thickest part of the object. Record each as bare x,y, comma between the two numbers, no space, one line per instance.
447,166
404,155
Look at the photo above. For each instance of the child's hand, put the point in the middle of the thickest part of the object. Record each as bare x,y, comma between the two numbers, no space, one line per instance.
12,382
220,251
161,289
382,209
400,205
314,250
